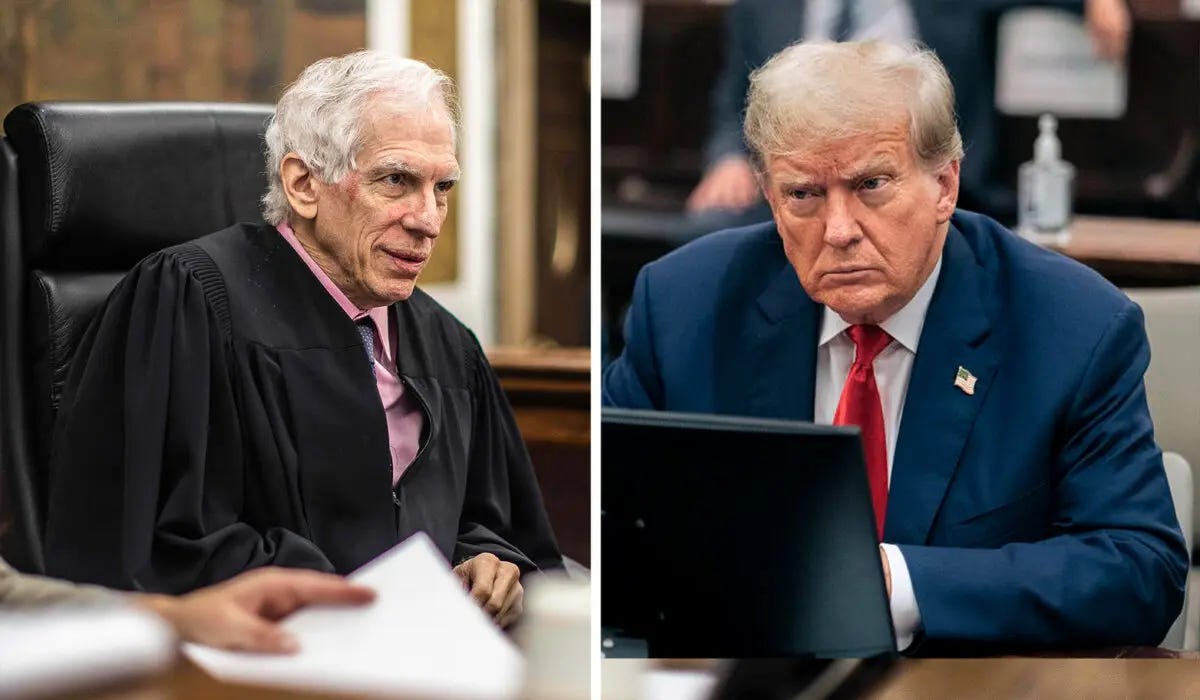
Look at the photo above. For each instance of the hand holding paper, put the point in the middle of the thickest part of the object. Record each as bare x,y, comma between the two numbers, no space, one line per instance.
423,636
241,613
495,585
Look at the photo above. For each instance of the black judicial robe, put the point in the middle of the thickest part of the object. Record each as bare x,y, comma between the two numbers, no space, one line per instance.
221,415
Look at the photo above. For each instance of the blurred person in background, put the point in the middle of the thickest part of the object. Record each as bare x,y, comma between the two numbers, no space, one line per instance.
959,32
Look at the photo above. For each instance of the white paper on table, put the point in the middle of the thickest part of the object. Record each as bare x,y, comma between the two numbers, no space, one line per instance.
422,635
54,650
620,40
1046,63
678,685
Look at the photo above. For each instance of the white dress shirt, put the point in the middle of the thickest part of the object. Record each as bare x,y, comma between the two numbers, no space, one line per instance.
893,367
888,20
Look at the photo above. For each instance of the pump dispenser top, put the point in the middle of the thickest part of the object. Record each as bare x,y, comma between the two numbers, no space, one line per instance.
1047,148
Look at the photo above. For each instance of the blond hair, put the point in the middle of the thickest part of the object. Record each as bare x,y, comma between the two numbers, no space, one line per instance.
813,93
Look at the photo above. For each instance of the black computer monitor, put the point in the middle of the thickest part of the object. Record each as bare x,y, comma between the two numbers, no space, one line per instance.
736,537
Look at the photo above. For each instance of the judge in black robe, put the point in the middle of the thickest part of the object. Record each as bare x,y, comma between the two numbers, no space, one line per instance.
221,415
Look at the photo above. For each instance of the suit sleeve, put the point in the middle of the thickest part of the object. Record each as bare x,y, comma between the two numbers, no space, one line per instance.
503,511
23,591
148,472
1113,570
729,92
632,380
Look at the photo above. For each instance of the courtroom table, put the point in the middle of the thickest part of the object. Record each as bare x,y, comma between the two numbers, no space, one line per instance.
929,679
186,681
1039,678
1001,677
1137,252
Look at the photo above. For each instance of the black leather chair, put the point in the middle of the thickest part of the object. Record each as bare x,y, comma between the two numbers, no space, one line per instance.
87,190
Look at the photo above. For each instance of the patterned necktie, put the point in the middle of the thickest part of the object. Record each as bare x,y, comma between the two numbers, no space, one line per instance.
860,405
367,330
843,28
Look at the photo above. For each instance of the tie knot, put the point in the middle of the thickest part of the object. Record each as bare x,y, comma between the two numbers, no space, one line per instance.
869,341
367,330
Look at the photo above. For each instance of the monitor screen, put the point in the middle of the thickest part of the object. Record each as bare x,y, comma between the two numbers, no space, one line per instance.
739,537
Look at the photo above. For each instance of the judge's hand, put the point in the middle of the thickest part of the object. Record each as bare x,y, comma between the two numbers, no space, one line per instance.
887,572
729,184
495,585
1108,24
242,612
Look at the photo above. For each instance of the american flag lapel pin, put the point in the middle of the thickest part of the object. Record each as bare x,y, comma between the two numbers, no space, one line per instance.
965,380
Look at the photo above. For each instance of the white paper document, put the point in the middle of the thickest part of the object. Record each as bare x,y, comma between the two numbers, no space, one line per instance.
423,635
46,652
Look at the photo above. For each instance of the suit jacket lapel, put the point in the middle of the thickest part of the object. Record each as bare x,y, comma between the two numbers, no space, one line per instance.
937,414
780,338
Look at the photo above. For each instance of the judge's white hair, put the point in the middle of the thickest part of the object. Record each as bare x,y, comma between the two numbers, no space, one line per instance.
319,117
814,93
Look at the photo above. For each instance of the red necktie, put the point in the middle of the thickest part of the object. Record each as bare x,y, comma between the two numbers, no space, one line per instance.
860,406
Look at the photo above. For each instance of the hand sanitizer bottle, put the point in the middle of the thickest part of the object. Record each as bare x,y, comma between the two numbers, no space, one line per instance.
1044,189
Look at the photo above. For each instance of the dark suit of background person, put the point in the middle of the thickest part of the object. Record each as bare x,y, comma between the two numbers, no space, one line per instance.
961,32
1033,513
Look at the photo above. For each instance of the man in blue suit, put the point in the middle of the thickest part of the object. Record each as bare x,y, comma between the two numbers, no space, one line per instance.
999,386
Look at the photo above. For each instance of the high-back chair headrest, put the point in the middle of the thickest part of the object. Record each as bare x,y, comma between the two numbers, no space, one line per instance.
105,184
93,189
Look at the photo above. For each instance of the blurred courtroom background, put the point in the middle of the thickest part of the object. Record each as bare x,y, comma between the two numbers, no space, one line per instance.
1135,152
512,261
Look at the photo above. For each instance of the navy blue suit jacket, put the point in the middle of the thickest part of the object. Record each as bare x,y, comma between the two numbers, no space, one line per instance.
1033,513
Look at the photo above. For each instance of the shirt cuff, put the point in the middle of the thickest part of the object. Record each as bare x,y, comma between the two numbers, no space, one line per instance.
906,617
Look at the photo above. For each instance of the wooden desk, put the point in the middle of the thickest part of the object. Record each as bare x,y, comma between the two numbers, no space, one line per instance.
186,681
1009,677
929,679
1137,252
1039,678
550,392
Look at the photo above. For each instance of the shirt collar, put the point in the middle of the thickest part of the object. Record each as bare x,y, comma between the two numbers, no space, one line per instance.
904,326
378,314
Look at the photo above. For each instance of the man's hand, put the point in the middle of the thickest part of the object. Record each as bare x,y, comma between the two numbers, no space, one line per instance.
887,572
241,613
1108,23
495,585
730,184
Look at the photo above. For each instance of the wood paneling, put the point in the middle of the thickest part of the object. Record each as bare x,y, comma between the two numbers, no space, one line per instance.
550,394
206,50
434,39
563,253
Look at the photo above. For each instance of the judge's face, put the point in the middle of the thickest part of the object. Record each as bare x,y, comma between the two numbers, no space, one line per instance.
862,222
374,231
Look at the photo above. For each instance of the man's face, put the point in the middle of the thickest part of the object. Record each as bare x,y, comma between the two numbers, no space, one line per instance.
862,223
376,228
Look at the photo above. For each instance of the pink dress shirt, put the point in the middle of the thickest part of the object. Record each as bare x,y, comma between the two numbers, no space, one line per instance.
404,417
